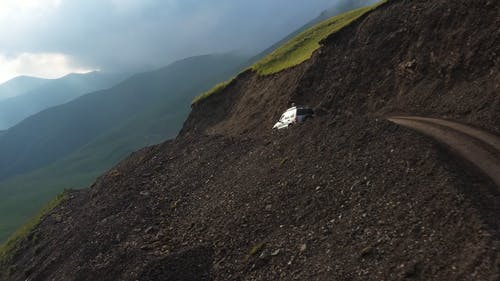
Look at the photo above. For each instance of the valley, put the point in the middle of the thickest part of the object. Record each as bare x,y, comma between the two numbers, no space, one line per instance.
66,147
50,93
395,177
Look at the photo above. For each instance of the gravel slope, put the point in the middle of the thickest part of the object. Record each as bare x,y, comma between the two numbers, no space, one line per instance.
347,196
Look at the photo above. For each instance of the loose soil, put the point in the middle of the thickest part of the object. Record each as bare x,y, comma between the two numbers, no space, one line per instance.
346,196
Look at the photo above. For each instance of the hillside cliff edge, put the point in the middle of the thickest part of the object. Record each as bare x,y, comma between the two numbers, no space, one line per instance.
347,196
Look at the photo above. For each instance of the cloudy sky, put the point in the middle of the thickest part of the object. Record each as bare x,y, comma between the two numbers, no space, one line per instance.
50,38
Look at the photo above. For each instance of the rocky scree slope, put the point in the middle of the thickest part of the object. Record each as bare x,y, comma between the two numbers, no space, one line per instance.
348,196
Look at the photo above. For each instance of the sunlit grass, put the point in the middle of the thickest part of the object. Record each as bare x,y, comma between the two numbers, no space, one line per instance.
218,88
299,49
302,47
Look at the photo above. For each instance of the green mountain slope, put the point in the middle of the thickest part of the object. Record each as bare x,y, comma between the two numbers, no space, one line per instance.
302,46
20,85
338,9
57,132
298,46
52,93
74,143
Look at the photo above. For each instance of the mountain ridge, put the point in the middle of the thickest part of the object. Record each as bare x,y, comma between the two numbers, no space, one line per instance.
51,93
20,85
347,196
43,123
326,14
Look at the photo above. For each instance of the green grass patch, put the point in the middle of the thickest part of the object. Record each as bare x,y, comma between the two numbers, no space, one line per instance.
302,47
257,249
299,49
9,249
218,88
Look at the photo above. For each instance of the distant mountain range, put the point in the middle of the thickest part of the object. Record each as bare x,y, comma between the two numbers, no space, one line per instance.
39,94
68,146
20,85
59,131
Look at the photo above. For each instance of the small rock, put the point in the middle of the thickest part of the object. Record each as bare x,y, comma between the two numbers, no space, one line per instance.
263,255
303,247
366,251
148,230
275,253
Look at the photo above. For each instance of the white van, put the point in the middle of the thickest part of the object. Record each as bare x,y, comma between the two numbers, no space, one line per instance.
292,116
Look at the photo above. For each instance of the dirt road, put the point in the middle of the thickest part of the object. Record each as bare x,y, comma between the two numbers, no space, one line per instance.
478,147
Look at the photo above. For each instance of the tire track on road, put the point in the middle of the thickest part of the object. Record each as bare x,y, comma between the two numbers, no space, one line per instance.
480,148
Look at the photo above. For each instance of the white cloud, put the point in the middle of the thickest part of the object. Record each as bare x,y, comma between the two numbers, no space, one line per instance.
135,7
26,8
46,65
135,35
24,18
30,4
20,18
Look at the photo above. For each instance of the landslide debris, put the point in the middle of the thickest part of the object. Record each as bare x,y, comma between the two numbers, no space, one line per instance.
347,196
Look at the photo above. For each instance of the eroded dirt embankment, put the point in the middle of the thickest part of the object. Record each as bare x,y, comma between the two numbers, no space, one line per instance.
348,196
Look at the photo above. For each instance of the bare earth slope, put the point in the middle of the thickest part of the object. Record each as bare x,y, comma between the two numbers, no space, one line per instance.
347,196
